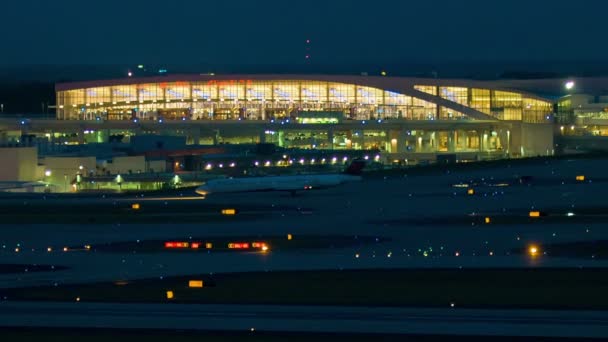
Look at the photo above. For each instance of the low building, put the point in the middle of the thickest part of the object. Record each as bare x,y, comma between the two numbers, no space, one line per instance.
19,164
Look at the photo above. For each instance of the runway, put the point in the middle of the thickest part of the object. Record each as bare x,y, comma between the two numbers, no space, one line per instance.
353,209
446,321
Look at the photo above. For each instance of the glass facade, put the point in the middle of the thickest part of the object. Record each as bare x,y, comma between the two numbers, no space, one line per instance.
503,105
267,100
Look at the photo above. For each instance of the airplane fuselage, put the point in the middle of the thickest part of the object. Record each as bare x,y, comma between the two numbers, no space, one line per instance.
275,183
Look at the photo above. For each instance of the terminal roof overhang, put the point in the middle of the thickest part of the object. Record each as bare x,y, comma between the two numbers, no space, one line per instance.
401,85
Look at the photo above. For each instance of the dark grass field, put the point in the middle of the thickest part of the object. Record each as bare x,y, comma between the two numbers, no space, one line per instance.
470,288
24,268
27,212
137,335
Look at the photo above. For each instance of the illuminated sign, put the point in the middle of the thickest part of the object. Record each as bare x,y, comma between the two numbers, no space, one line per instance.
228,211
238,245
195,283
176,244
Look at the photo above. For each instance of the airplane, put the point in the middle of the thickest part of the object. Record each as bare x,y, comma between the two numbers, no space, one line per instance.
292,183
14,185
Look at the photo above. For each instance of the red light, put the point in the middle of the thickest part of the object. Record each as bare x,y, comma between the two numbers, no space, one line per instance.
238,245
195,245
174,244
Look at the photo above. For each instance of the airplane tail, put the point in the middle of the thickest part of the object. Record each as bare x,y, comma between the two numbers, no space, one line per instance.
355,168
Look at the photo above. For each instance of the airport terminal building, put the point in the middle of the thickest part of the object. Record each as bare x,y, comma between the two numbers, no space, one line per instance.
402,117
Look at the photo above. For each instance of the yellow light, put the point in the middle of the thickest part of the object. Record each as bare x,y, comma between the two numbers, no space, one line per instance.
208,245
195,283
580,178
49,249
135,206
471,191
533,250
289,236
228,211
535,214
65,249
17,250
87,247
487,220
169,294
264,248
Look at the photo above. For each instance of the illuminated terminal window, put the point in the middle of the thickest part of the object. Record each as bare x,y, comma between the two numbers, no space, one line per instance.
287,99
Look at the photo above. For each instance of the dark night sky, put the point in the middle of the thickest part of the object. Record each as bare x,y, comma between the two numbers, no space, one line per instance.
273,32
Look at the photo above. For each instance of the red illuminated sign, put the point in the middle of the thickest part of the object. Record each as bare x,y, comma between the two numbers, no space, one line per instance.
238,245
258,244
176,244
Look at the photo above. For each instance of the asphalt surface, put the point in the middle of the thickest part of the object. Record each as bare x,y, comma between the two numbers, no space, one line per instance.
449,321
352,209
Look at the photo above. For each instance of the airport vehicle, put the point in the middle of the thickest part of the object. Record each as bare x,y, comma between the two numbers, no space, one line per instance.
292,184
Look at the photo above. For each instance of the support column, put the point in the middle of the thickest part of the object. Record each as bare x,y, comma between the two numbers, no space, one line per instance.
196,135
452,136
80,135
330,138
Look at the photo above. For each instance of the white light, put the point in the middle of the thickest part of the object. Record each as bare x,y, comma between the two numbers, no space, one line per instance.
569,85
570,214
47,173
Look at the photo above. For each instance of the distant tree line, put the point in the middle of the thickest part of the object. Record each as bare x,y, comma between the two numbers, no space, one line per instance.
27,98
